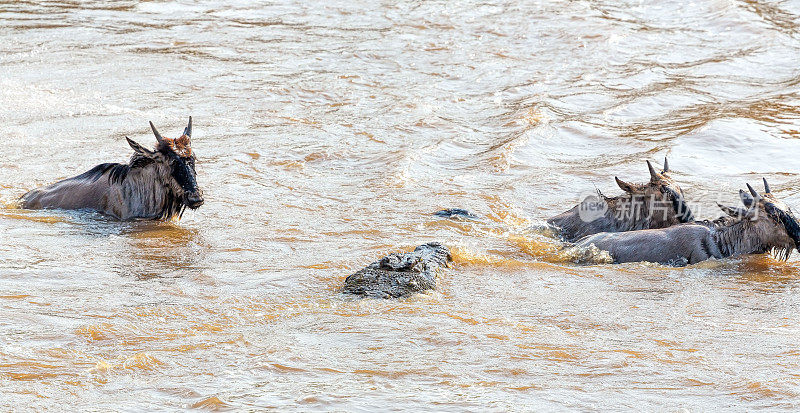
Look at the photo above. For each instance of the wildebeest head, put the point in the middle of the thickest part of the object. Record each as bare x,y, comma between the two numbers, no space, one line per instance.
176,156
773,220
661,189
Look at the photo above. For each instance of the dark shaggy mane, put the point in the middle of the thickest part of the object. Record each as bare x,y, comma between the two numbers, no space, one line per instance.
682,210
792,228
172,206
116,171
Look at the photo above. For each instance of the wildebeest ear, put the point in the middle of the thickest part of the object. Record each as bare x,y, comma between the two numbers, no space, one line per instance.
735,212
747,200
139,148
624,185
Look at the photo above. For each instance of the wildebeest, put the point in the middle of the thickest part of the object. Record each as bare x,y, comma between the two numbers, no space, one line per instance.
656,204
155,185
766,224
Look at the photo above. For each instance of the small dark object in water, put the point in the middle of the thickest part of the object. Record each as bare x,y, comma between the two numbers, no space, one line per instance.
455,213
399,275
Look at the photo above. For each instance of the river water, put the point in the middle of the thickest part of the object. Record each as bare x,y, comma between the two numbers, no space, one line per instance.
326,134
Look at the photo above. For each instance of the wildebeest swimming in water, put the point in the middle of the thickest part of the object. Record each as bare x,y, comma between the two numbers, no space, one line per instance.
155,185
656,204
766,224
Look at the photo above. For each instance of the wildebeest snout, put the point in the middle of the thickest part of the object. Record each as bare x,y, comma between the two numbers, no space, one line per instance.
193,200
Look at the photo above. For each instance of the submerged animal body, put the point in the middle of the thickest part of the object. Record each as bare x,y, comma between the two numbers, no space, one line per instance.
657,204
156,185
766,224
400,275
456,213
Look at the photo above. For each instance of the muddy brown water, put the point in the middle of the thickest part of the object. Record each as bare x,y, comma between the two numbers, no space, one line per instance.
326,135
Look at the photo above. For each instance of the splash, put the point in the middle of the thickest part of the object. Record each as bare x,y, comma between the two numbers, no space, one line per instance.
506,214
103,370
464,256
527,243
585,255
211,403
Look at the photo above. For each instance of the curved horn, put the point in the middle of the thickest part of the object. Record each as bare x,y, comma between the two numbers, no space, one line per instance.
752,191
653,173
666,166
188,130
766,186
155,132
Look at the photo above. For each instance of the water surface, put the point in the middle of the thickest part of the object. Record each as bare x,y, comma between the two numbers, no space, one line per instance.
326,135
